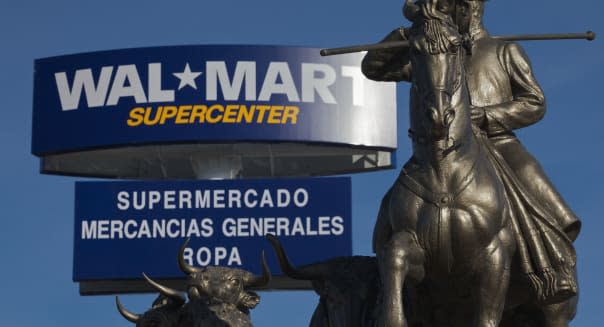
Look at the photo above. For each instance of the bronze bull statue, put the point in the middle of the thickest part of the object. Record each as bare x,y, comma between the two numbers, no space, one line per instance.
217,298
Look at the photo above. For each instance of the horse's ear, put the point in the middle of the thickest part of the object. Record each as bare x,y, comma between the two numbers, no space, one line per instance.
410,10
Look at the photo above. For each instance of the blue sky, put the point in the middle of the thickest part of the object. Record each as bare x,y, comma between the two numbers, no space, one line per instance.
36,238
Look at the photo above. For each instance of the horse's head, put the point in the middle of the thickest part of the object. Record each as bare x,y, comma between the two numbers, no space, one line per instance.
436,59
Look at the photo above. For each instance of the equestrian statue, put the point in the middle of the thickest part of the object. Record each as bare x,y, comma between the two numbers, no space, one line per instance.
472,225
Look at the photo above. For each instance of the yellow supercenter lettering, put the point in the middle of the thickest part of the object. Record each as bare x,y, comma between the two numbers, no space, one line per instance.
215,114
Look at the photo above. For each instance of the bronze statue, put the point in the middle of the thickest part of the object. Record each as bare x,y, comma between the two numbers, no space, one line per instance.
461,219
217,298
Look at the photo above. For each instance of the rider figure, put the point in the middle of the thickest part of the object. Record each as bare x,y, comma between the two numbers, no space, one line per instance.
504,96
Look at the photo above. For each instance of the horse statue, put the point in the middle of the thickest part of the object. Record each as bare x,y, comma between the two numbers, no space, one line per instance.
452,230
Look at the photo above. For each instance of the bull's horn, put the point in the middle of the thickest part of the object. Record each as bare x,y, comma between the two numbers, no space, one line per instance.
310,272
131,317
410,10
184,267
256,281
175,295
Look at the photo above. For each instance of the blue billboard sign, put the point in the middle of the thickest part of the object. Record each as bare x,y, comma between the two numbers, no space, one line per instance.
123,229
88,106
207,93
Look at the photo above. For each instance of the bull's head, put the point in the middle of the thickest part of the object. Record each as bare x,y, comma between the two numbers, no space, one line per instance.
223,285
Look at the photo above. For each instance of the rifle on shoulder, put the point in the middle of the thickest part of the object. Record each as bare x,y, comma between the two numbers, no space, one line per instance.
589,36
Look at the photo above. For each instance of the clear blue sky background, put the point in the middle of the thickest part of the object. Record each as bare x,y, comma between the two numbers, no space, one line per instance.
36,235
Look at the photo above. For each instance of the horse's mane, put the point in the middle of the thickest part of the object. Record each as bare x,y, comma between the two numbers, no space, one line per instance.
438,28
440,36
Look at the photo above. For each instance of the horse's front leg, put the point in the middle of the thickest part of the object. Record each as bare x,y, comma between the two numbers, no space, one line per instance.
493,280
398,259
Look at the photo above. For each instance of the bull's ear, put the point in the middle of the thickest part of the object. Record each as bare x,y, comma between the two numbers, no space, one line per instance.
250,300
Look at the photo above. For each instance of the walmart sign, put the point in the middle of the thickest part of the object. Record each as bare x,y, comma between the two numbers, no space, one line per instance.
208,94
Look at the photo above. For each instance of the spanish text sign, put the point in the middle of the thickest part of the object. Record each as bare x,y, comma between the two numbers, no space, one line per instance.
228,93
125,228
